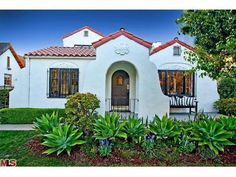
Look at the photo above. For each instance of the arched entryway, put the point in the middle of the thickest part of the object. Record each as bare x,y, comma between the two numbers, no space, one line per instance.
120,90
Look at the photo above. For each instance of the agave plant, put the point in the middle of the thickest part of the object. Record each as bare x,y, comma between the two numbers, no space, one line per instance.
229,124
109,127
164,128
62,138
134,129
46,123
211,134
186,132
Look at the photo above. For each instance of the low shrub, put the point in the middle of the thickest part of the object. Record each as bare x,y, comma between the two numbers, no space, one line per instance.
148,149
226,106
90,148
46,123
186,144
26,115
4,95
105,148
128,153
62,138
187,148
207,153
226,88
109,127
80,109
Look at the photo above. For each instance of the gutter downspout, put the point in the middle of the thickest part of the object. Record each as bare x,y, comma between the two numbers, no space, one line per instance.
29,65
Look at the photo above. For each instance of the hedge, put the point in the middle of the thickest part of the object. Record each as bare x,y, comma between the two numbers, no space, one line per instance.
226,88
25,115
226,106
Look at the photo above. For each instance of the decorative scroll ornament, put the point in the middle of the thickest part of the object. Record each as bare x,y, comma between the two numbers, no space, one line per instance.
122,49
175,66
63,65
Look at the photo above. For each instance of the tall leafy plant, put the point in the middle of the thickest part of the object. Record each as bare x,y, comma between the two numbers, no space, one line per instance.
211,134
109,127
164,128
229,124
46,123
62,138
134,129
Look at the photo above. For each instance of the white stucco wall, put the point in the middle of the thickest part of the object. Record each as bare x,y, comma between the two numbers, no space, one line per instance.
37,81
80,39
151,99
19,95
206,90
31,84
15,98
3,67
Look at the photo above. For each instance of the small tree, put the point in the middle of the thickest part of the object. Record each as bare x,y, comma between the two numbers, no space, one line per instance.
214,32
80,109
227,88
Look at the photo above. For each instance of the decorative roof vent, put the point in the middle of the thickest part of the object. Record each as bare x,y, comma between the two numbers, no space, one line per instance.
122,29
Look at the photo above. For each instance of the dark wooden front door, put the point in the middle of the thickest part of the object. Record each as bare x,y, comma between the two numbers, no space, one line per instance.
120,88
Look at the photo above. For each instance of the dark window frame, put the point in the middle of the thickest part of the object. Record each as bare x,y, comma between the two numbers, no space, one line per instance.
166,86
9,76
69,80
86,33
177,53
8,63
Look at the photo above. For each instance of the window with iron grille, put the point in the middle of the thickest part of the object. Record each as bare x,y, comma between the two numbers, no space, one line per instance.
63,82
177,82
8,80
177,51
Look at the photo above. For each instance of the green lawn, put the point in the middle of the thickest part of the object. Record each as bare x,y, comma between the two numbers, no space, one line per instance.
13,146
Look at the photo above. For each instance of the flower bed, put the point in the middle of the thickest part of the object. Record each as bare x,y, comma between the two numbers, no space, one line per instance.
117,141
119,157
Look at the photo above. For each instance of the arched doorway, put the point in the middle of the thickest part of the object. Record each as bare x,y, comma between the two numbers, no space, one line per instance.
120,91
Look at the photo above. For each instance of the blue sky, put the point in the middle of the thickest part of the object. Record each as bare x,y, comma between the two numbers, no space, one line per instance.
30,30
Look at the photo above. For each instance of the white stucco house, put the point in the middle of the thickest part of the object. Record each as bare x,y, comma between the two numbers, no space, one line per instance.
127,73
10,67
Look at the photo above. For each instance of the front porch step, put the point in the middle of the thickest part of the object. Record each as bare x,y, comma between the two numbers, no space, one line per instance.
124,114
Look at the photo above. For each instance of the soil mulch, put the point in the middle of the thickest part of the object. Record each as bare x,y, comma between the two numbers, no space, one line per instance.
116,157
229,155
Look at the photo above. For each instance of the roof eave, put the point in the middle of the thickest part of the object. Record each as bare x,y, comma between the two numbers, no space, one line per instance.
60,57
170,43
118,34
80,29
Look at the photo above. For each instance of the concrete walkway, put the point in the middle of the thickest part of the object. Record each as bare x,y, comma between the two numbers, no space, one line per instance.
187,116
16,127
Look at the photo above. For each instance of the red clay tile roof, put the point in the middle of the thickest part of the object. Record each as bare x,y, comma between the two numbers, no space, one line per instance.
79,51
175,40
80,29
19,59
119,33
